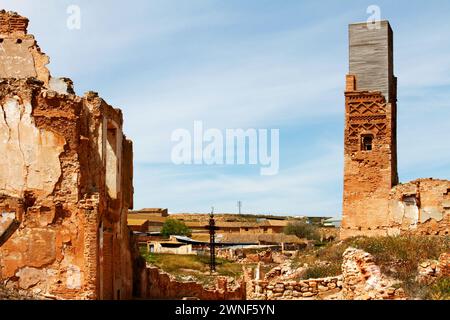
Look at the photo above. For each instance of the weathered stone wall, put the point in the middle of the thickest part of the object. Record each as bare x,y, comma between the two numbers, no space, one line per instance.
430,270
63,232
420,206
444,265
161,285
297,290
328,233
361,279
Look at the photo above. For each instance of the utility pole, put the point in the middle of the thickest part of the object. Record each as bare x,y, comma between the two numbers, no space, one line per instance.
239,204
212,245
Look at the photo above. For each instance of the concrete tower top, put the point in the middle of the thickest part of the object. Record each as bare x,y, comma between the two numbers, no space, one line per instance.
371,58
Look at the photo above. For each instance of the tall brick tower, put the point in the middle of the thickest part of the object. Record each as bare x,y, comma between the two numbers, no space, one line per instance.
370,163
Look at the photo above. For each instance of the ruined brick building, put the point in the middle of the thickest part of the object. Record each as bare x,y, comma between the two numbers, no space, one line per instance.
65,180
374,203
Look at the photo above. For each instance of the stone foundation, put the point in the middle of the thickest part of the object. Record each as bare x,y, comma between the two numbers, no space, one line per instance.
297,290
361,279
161,285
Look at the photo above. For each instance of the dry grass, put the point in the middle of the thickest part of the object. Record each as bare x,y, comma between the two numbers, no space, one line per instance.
440,290
192,265
317,271
397,257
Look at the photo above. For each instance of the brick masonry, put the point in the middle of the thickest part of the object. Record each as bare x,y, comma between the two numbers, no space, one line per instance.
374,203
161,285
65,180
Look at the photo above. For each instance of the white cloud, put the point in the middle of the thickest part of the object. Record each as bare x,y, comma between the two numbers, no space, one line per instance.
295,190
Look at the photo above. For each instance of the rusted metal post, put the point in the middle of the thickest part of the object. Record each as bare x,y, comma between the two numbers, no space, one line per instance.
212,244
212,241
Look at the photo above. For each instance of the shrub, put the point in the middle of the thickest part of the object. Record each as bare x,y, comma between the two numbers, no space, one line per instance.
440,289
315,272
175,227
302,230
398,257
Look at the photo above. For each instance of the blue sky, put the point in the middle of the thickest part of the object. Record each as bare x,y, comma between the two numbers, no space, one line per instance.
249,64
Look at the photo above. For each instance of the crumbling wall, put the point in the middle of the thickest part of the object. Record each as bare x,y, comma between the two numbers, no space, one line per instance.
420,206
324,288
63,206
262,256
161,285
40,176
31,155
328,234
444,265
361,279
20,56
430,270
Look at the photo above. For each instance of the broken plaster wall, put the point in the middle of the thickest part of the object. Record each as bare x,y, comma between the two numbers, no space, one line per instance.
62,233
420,206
